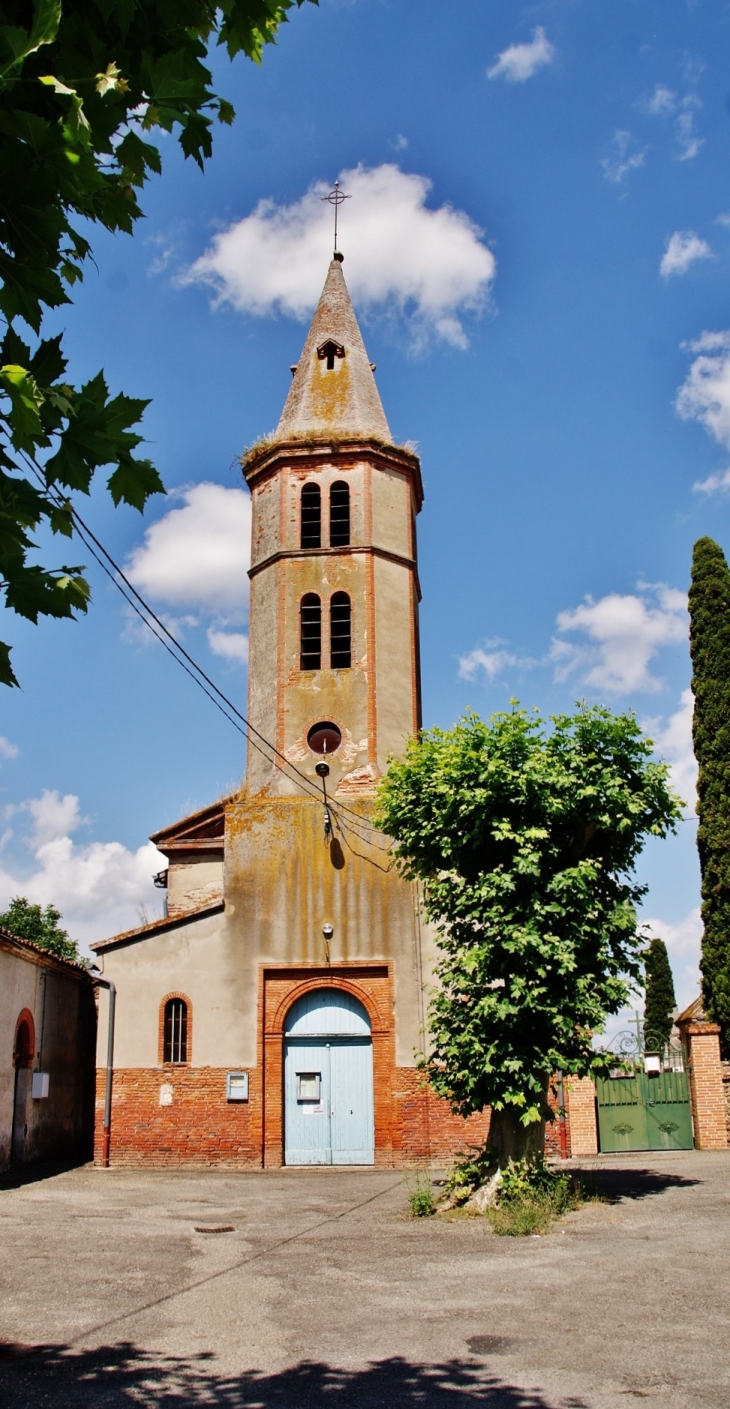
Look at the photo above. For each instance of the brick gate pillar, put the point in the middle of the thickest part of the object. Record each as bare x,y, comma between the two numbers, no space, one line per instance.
580,1094
701,1040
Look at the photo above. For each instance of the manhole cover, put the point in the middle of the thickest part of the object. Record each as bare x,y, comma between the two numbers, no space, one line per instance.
214,1228
490,1345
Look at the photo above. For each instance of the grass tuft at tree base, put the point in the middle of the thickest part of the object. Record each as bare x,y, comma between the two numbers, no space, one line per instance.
530,1195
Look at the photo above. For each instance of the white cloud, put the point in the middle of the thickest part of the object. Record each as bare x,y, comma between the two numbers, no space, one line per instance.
621,637
487,658
683,940
684,248
520,61
622,160
662,100
688,142
233,645
197,556
98,887
705,394
52,815
427,266
719,483
8,750
673,743
400,142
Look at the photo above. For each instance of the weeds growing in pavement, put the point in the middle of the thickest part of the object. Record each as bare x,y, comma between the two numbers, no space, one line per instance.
420,1194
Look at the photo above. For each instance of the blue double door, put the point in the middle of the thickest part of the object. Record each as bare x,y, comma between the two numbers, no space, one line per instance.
328,1081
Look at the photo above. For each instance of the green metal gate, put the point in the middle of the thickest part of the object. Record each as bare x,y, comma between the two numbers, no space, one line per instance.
641,1111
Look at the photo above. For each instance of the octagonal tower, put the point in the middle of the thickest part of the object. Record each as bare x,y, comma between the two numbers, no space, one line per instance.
334,656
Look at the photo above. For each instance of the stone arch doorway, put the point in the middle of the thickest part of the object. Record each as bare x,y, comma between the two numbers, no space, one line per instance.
328,1080
23,1051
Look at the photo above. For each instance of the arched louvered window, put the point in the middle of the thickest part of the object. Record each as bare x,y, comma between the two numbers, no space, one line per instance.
310,632
340,631
175,1042
339,514
311,531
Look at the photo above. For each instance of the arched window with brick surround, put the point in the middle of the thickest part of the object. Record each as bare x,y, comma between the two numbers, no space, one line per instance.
310,632
24,1045
175,1030
339,514
340,631
311,523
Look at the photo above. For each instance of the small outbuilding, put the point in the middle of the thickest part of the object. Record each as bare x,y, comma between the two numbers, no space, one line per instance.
48,1037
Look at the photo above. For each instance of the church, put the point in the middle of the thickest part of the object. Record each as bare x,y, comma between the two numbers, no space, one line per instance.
274,1015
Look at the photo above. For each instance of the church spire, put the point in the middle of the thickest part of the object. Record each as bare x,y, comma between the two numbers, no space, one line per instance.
334,391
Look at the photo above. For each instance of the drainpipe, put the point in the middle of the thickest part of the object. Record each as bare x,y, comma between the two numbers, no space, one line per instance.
563,1129
107,1127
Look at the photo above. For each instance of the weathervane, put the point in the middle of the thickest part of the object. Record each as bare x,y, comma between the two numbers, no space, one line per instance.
335,198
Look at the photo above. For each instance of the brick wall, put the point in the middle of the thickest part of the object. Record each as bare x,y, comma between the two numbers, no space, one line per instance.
702,1041
200,1127
580,1093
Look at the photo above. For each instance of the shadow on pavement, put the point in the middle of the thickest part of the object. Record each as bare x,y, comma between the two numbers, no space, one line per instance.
121,1376
612,1185
19,1175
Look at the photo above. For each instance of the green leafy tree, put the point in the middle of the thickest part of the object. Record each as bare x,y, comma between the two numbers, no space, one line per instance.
709,611
524,840
40,926
82,83
659,999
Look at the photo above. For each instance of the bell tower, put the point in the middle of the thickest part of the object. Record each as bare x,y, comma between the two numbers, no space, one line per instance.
334,655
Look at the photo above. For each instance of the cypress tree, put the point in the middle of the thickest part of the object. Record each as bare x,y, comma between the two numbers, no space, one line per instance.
659,1000
709,606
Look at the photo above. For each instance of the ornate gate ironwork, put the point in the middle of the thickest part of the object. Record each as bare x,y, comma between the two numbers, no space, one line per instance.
640,1108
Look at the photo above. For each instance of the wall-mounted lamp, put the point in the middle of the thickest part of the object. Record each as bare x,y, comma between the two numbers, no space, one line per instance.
322,770
327,931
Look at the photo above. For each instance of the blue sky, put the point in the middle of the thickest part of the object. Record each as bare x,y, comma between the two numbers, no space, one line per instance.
538,247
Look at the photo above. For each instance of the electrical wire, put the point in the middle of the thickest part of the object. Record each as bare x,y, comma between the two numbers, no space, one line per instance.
183,658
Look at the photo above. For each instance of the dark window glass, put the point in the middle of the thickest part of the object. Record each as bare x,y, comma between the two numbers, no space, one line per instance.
339,514
340,632
176,1031
311,517
310,636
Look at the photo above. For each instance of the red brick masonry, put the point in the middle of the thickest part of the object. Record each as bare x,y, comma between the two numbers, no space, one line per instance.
201,1127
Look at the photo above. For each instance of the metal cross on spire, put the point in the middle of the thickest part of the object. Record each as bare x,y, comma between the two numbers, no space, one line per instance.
335,198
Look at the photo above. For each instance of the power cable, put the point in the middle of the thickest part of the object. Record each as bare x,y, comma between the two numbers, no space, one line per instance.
248,731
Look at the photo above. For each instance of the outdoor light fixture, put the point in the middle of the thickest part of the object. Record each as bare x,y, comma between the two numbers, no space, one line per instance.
328,931
323,771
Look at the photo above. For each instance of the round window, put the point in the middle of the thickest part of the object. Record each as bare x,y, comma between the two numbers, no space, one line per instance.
324,737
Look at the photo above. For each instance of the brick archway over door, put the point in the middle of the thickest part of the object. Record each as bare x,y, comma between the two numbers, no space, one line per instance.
279,989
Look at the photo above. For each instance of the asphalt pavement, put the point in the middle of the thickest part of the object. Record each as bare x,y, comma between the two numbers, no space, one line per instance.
322,1291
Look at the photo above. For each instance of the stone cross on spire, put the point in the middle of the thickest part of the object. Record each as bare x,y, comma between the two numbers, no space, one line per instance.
334,391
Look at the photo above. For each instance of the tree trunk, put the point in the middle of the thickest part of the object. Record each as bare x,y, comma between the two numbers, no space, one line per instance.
509,1139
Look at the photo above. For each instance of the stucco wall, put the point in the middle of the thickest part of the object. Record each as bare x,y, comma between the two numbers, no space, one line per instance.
62,1007
281,885
193,881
